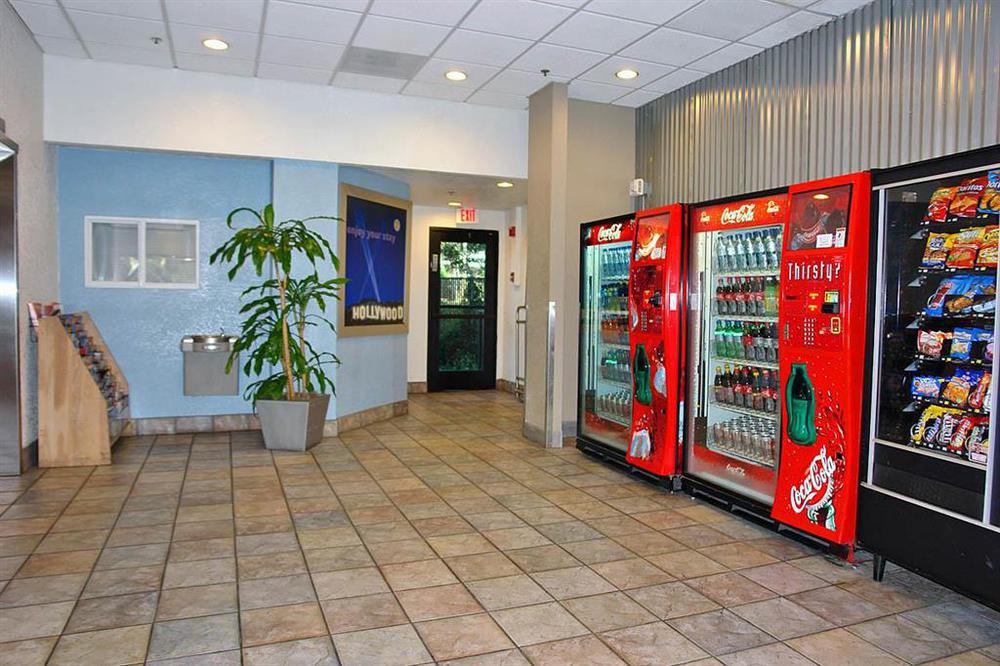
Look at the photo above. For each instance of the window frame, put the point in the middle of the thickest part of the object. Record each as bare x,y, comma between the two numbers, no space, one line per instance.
140,224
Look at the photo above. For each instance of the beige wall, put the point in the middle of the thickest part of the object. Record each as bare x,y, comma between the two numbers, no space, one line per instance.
601,162
21,108
581,156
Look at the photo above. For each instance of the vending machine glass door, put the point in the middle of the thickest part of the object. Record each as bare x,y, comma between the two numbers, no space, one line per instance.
933,439
605,397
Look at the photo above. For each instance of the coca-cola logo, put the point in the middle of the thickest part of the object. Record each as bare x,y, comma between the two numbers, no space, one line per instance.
736,470
817,487
772,207
739,215
612,233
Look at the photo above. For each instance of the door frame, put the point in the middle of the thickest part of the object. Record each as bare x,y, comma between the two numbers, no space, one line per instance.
485,378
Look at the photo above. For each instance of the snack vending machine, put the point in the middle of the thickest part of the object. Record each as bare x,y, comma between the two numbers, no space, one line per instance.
930,486
631,339
775,354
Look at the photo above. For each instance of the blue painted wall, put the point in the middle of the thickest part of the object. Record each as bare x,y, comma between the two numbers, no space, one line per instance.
144,327
373,368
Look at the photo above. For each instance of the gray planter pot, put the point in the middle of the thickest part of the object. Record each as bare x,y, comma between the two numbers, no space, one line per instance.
293,425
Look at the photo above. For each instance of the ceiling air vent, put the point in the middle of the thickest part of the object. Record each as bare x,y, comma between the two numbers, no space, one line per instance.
374,62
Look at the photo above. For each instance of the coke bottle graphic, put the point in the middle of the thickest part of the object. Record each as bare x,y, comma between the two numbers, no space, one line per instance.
801,404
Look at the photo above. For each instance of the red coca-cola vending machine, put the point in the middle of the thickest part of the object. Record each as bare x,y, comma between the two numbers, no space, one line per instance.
631,340
777,307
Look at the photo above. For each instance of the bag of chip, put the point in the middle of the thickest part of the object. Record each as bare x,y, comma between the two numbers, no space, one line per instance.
982,344
988,250
931,343
965,247
989,202
960,386
977,444
961,344
947,287
936,250
926,386
961,300
966,201
937,208
978,396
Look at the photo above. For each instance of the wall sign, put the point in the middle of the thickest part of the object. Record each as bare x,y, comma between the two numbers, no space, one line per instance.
375,258
465,216
747,213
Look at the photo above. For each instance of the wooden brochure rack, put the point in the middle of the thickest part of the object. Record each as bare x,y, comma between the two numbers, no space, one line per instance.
77,421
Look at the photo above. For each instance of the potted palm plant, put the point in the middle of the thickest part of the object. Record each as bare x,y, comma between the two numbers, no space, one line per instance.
290,388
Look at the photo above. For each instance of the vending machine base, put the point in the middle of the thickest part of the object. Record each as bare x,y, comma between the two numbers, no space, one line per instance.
958,554
761,515
613,456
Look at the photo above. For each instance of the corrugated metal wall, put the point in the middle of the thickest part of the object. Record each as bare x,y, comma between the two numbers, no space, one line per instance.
894,82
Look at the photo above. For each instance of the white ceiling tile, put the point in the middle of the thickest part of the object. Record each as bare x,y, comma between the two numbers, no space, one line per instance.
300,52
799,3
188,39
650,11
289,19
674,80
515,18
522,84
730,19
217,65
348,5
424,89
44,20
724,57
236,14
153,57
444,12
575,4
482,47
268,70
559,60
595,92
146,9
838,7
672,47
109,29
489,98
596,32
637,98
786,28
433,72
605,72
59,46
388,34
366,82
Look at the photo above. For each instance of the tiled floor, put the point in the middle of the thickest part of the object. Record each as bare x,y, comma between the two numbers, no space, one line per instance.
440,536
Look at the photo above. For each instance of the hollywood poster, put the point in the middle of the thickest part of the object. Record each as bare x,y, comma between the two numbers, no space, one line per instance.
374,243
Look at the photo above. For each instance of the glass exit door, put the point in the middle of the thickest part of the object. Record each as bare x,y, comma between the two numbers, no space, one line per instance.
462,301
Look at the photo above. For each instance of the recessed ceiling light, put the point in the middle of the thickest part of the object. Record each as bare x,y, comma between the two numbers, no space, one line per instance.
455,204
455,75
215,44
505,184
627,74
821,196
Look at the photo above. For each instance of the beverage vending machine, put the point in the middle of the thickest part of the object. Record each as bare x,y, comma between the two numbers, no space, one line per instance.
776,344
631,340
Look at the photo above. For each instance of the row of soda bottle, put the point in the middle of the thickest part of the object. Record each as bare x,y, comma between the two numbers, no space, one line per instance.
750,250
614,262
614,329
617,404
757,296
747,436
615,365
746,340
750,388
614,296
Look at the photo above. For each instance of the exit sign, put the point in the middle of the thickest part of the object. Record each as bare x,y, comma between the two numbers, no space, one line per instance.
465,215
